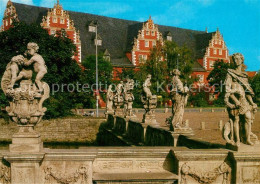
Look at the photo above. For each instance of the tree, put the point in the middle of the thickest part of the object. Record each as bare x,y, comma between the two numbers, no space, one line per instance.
255,83
217,78
57,52
104,77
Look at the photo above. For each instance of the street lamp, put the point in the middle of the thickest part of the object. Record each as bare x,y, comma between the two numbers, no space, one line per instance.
93,28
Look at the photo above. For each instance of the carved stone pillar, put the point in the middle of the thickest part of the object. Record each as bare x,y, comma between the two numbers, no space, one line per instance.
25,168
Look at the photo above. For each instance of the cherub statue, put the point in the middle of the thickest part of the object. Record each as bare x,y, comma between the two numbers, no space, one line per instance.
13,74
39,63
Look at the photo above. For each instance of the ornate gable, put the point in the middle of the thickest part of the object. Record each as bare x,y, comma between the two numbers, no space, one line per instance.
58,19
216,50
146,39
9,15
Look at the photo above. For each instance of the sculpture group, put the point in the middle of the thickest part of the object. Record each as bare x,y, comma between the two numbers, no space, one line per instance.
240,106
25,96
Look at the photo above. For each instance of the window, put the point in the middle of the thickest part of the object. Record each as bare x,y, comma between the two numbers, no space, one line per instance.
98,42
62,21
107,58
145,57
54,20
146,43
147,32
219,42
91,28
220,52
201,78
53,32
211,64
153,33
6,23
214,51
140,58
154,43
169,38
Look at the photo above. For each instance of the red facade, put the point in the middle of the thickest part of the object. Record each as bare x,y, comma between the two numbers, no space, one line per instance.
9,16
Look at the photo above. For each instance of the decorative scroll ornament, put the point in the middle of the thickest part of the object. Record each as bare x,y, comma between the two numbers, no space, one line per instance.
80,176
206,177
5,175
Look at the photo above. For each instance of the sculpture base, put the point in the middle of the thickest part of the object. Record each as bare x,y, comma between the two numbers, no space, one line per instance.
119,112
26,141
150,119
244,147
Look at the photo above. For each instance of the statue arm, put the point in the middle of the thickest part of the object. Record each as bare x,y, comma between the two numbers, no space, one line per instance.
228,83
251,102
14,71
27,63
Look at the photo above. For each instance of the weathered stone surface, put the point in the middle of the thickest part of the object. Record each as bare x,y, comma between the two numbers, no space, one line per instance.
58,130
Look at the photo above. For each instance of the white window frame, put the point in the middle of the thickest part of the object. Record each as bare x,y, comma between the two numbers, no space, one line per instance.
53,32
220,51
211,64
214,51
92,29
146,43
54,20
201,78
144,57
147,32
62,21
154,43
153,33
169,38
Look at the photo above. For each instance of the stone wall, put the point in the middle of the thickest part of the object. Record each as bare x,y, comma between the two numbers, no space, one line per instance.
81,130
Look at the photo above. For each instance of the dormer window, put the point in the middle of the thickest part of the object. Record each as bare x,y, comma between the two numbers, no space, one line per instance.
54,20
92,29
169,36
106,55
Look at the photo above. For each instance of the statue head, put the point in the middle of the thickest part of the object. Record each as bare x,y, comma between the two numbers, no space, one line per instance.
238,59
176,72
32,48
149,76
18,59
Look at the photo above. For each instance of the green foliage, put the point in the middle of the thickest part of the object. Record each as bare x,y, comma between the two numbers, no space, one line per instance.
217,78
255,83
198,99
104,78
57,52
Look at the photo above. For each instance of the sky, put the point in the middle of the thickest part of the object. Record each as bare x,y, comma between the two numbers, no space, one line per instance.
237,20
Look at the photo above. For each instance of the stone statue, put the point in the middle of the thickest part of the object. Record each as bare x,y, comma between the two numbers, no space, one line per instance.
25,101
149,101
128,98
109,103
118,99
240,105
39,64
179,94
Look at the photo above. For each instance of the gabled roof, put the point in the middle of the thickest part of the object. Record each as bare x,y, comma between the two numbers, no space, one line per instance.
117,34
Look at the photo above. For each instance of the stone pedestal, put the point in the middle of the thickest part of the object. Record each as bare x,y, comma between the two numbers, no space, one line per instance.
177,132
26,140
247,164
150,119
25,168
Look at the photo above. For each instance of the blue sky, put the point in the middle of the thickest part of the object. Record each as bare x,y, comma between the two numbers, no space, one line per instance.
237,20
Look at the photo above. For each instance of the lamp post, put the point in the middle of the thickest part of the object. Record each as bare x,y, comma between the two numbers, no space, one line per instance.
96,43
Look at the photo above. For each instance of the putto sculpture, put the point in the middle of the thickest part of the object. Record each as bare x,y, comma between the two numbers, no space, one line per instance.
109,102
118,99
25,97
240,106
128,98
179,94
149,101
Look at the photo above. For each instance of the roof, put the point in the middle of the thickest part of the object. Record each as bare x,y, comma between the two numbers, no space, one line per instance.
197,67
251,74
117,34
